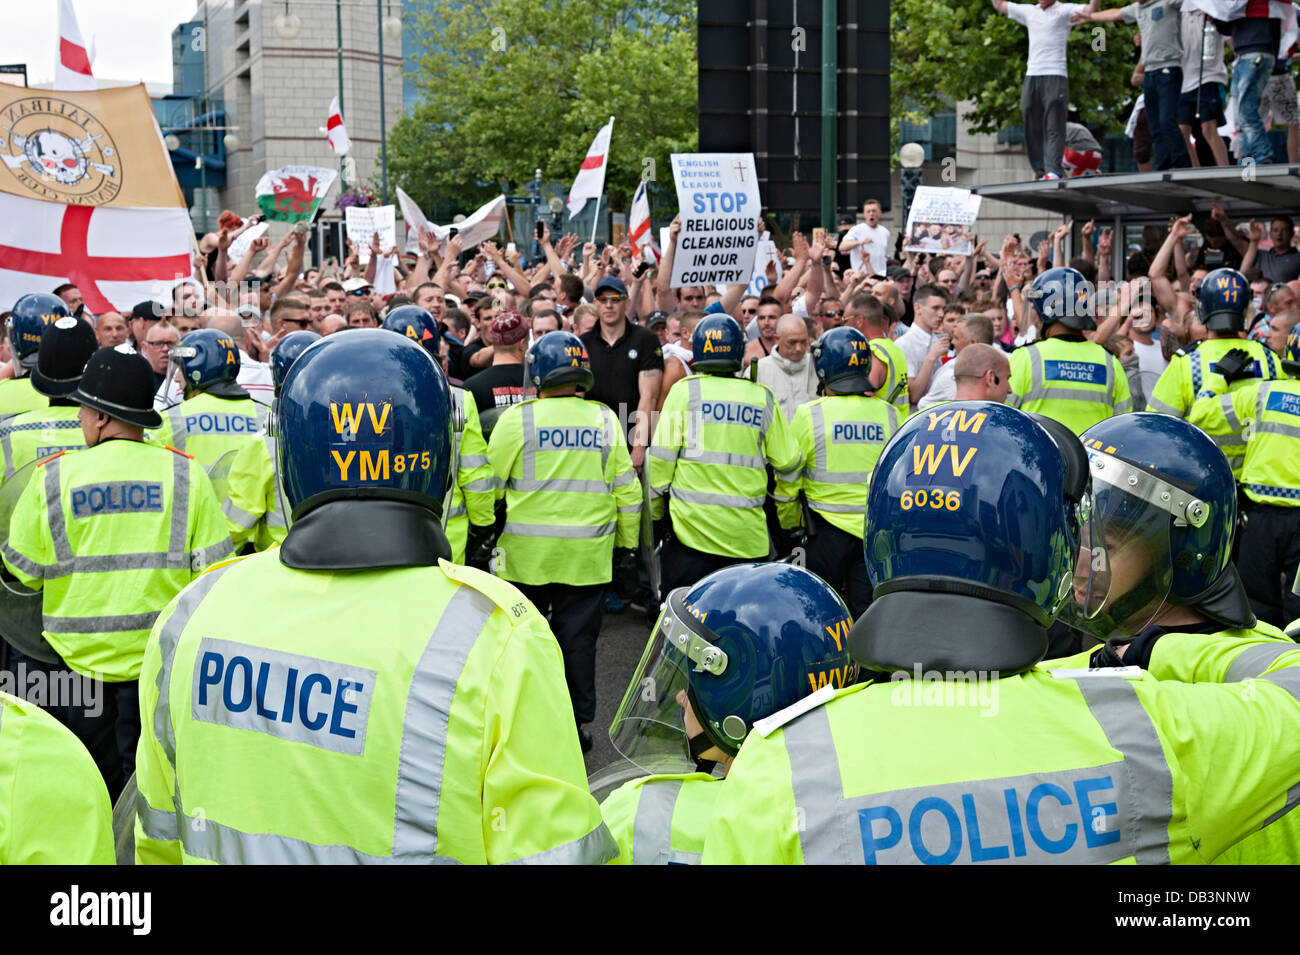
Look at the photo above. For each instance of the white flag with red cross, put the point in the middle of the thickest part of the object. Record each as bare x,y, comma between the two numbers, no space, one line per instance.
88,196
590,181
639,232
72,59
335,131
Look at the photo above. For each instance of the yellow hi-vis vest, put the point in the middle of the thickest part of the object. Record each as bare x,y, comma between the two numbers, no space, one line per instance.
1267,415
571,495
413,714
252,506
840,438
471,498
112,533
1078,383
661,820
711,446
208,426
1191,373
1175,764
17,395
54,808
894,389
33,435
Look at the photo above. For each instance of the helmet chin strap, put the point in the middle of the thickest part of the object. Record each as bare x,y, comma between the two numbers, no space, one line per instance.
700,743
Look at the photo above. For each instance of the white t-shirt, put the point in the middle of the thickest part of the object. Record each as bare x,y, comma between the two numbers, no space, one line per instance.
914,343
943,387
1048,32
1202,51
1151,360
876,252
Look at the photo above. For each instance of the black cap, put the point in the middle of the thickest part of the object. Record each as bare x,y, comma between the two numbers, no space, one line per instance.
612,282
656,318
147,310
66,345
120,385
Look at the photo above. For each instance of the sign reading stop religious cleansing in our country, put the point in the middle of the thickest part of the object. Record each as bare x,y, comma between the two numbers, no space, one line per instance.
717,198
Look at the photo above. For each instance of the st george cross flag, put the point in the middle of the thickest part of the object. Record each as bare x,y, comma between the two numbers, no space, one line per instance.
335,131
88,196
590,182
72,58
481,224
1228,10
639,232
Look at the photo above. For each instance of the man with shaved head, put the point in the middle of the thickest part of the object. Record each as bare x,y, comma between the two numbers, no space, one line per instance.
789,369
982,373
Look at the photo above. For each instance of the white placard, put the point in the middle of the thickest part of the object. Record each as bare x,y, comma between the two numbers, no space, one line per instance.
363,222
239,248
717,198
942,220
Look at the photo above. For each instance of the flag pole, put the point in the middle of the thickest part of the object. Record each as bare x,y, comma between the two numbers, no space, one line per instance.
595,219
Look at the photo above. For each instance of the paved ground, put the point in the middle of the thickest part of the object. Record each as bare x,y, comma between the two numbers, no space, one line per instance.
622,640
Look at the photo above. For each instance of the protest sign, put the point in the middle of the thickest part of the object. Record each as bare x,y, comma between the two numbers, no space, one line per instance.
239,248
717,199
364,221
942,220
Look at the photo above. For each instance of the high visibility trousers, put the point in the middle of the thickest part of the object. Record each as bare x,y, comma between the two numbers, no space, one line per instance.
574,614
1267,560
837,558
104,716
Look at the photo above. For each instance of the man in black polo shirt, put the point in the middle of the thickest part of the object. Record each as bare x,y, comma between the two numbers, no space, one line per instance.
628,364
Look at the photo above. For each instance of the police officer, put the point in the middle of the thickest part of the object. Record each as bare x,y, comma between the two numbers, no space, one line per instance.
352,696
573,506
1136,766
1267,415
112,533
252,506
889,375
54,809
840,437
1227,360
1065,376
66,345
468,509
217,415
28,319
723,656
714,437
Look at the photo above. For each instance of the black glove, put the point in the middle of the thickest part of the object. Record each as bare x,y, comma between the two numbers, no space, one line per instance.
662,530
625,573
1236,365
479,547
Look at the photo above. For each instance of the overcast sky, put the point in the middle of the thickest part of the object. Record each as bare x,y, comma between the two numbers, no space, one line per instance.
131,38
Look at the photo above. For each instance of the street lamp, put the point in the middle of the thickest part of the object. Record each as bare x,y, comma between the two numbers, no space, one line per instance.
911,156
286,25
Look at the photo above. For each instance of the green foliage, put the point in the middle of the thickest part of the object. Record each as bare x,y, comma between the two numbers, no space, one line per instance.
944,53
513,85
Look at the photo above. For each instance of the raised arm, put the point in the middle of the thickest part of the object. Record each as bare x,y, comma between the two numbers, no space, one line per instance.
663,288
1220,215
1161,287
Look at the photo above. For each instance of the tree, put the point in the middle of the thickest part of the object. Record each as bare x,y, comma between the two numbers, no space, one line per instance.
943,53
510,86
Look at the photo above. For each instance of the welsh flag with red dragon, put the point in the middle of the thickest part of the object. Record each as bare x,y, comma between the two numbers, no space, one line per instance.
293,193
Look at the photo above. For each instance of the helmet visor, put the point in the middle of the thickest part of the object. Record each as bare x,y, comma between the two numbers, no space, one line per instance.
649,728
1125,570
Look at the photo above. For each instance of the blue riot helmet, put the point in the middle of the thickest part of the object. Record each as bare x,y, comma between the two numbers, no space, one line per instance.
416,324
27,321
974,517
1166,508
718,346
559,358
206,356
1062,295
1222,300
363,416
739,645
287,352
842,358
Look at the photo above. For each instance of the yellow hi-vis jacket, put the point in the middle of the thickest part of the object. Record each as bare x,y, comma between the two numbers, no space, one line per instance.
112,533
252,506
17,395
840,438
1265,417
711,446
54,808
472,489
1078,383
1191,373
412,714
894,389
661,820
207,426
571,495
1175,764
33,435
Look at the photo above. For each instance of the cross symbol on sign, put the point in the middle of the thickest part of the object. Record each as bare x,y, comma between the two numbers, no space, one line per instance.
739,166
75,263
